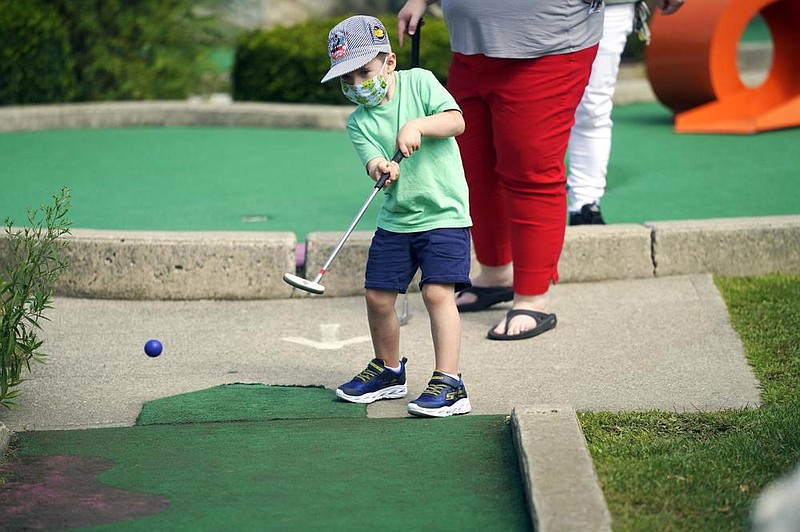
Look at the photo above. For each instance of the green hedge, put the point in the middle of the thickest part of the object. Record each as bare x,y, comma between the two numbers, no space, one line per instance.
36,63
136,49
285,64
89,50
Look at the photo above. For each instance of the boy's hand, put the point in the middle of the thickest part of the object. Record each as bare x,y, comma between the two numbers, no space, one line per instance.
448,123
409,138
380,166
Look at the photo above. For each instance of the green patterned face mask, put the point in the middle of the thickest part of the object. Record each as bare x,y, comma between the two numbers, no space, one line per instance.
369,93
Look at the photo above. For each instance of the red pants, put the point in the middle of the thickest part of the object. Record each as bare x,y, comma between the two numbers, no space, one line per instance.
519,113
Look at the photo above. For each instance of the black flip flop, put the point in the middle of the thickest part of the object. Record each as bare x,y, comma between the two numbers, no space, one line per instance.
486,297
544,322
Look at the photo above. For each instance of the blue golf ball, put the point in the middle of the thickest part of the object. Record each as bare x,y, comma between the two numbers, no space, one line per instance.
153,348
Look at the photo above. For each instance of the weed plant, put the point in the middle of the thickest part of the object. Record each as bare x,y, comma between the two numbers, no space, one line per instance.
33,261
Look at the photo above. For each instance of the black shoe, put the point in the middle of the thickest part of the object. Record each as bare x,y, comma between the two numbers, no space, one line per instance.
588,215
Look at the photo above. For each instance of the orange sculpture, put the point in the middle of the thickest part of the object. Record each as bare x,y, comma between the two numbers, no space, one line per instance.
691,64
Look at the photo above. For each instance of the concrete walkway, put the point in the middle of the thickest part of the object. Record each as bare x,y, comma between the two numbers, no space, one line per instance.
663,343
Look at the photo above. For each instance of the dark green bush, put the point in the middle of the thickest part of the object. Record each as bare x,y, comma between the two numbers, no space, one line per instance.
90,50
36,63
135,49
285,64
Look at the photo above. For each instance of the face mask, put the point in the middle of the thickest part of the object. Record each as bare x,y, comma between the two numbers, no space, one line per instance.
369,93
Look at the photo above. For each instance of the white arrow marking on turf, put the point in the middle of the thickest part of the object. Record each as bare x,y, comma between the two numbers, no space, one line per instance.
329,333
326,345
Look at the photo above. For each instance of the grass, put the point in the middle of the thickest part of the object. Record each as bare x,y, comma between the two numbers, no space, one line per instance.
703,471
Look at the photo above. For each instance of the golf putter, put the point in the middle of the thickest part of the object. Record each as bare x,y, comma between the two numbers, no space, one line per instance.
315,286
405,315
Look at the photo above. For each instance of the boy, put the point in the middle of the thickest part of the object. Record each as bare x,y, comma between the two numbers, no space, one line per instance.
424,221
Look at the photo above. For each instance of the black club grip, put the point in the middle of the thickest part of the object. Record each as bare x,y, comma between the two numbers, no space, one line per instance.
398,156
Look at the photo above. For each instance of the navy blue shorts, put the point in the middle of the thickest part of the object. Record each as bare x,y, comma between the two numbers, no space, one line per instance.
443,255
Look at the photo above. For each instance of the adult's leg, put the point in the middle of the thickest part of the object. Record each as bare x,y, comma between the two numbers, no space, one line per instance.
590,142
490,230
533,109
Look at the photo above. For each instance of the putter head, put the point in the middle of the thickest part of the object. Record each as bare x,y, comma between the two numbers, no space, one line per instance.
303,284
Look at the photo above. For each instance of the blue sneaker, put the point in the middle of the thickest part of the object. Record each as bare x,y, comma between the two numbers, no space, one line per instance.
374,383
444,396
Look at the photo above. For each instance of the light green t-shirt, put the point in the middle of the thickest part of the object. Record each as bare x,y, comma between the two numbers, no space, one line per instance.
431,192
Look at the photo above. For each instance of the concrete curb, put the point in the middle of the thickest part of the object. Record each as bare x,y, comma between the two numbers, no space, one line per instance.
729,246
172,114
726,246
163,265
250,265
557,470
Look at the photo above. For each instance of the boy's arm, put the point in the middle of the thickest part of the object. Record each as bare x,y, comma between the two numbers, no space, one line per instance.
439,125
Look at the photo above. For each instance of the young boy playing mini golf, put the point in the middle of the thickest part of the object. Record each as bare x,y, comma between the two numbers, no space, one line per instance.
424,221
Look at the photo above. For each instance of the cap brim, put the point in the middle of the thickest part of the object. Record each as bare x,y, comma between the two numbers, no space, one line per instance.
350,64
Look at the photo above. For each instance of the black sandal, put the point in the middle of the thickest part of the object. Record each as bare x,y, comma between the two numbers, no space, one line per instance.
486,297
544,322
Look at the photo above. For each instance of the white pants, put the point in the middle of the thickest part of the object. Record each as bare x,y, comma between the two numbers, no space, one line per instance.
590,142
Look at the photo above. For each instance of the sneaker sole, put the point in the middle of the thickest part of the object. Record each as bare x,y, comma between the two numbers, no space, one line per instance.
461,406
392,392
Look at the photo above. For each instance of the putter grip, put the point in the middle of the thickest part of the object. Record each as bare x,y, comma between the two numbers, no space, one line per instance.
398,156
415,45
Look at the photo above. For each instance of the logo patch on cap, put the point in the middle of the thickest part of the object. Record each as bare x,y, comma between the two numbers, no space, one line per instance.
337,45
378,33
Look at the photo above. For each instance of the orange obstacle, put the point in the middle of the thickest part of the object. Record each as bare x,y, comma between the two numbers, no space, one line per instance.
691,64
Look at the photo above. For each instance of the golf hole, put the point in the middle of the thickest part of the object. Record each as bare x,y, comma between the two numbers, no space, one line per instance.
254,218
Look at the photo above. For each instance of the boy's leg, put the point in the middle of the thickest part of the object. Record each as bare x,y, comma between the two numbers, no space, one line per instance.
388,272
445,394
385,375
444,257
384,326
444,260
445,325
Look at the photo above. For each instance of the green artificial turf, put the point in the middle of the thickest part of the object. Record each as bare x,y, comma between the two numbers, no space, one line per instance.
757,31
247,402
312,466
188,179
256,179
656,174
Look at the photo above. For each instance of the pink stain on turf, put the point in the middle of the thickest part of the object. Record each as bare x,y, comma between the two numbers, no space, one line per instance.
60,492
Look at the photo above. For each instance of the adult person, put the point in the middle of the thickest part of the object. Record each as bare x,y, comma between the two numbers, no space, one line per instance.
590,143
518,71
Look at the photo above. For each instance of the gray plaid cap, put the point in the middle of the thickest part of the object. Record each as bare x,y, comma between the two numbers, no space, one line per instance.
353,43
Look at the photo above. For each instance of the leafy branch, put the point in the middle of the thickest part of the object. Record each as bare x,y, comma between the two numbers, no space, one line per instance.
33,258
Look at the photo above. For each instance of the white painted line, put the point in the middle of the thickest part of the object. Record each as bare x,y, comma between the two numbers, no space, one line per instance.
326,345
